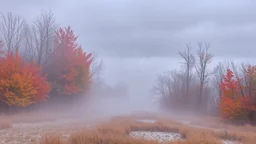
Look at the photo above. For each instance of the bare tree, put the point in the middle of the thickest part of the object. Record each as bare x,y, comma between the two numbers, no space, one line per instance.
177,85
218,74
12,30
97,67
162,90
247,78
237,75
41,37
189,62
204,59
169,89
29,51
249,87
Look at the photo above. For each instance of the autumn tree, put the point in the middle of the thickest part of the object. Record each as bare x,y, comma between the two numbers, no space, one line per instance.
229,91
21,84
232,103
69,66
218,75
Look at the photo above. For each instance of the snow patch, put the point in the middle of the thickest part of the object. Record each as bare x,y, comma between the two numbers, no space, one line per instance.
146,121
229,142
157,136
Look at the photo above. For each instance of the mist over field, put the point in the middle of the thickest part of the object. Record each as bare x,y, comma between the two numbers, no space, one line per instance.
138,40
118,69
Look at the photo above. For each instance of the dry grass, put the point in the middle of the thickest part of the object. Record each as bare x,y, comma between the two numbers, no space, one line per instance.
241,133
117,131
52,139
95,137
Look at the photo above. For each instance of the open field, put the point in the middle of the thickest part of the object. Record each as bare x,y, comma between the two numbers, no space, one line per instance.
139,128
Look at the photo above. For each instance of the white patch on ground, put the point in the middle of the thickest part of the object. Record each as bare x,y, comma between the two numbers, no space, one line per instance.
229,142
146,121
158,136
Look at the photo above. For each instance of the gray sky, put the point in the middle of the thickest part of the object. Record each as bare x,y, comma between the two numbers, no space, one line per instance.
138,39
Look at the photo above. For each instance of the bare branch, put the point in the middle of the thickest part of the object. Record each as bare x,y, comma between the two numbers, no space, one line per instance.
236,73
189,62
204,59
12,30
43,34
97,67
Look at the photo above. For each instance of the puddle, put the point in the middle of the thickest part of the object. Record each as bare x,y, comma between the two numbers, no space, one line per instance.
146,121
158,136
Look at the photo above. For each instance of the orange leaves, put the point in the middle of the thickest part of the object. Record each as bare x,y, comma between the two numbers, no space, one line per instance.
72,65
230,104
233,104
231,108
21,84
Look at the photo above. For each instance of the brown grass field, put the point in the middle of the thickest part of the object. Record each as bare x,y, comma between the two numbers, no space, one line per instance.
115,130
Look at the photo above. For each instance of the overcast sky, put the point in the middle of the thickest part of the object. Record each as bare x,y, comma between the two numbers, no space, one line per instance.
138,39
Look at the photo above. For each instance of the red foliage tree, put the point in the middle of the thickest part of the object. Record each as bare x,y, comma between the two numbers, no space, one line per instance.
21,84
231,102
70,67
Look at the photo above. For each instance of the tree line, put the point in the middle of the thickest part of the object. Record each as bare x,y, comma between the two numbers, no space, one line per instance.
227,90
42,62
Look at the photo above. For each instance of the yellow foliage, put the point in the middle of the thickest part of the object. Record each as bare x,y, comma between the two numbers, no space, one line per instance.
21,84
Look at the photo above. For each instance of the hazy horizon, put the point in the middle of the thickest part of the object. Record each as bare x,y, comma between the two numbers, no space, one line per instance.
137,40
